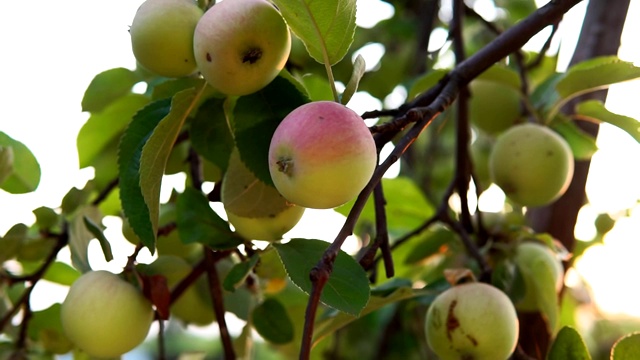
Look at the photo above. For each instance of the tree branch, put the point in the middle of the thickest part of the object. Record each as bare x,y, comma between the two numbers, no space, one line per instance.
215,288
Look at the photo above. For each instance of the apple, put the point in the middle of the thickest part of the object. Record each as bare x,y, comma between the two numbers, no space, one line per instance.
493,107
162,36
240,46
268,228
542,272
472,321
104,315
532,164
321,155
193,306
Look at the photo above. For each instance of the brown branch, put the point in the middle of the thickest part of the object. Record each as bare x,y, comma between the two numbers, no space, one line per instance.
215,289
503,45
382,235
105,192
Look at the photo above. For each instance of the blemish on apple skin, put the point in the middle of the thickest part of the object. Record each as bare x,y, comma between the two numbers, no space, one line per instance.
208,57
252,56
452,320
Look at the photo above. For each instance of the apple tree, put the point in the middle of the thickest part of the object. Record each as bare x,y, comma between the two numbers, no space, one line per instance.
253,101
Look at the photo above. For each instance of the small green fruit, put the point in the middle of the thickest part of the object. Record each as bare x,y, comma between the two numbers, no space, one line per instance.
162,36
104,315
542,272
472,321
493,107
268,228
532,164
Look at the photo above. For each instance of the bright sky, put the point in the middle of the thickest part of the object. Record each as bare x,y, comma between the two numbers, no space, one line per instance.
52,49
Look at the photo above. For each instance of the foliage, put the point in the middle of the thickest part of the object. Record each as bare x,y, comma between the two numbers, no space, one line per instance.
306,295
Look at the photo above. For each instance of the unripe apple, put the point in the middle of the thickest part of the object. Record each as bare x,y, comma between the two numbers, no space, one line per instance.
240,46
104,315
532,164
472,321
268,228
541,270
192,307
321,155
493,106
162,36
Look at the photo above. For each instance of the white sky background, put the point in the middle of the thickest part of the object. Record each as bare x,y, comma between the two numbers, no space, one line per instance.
52,49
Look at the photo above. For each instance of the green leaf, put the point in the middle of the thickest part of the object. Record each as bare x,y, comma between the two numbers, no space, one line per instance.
45,327
272,322
348,286
198,223
80,236
330,324
407,207
239,273
594,74
596,110
543,281
568,344
359,68
317,87
256,118
73,199
46,218
582,144
12,241
108,86
210,134
96,230
102,128
25,176
627,347
426,82
157,149
430,244
129,154
326,27
6,162
61,273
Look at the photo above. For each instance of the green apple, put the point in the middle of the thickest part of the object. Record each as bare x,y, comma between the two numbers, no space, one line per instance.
321,155
104,315
268,228
472,321
240,46
193,306
542,272
162,36
532,164
493,106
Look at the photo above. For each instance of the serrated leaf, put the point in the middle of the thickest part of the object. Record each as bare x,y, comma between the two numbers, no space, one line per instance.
102,128
627,347
568,344
80,236
272,322
239,273
210,134
594,74
329,325
348,287
359,67
596,110
157,149
198,223
582,144
11,242
96,230
255,119
326,27
108,86
25,175
129,154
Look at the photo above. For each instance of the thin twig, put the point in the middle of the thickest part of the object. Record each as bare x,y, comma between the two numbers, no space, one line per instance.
215,289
